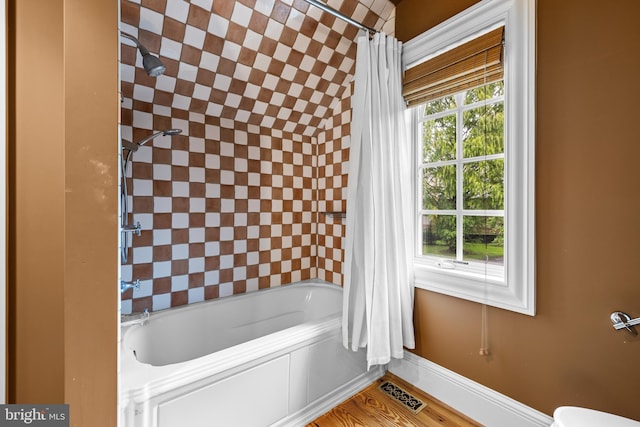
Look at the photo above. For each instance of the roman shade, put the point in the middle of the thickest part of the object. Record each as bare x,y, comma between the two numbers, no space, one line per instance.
471,64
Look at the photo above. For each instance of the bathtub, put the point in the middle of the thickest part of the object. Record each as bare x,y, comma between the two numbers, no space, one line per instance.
268,358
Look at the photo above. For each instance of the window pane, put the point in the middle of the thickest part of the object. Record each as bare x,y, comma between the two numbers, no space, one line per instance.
484,185
481,93
439,187
484,239
440,105
483,130
439,235
439,141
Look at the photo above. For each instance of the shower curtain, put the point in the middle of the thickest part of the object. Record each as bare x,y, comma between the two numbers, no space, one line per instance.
378,272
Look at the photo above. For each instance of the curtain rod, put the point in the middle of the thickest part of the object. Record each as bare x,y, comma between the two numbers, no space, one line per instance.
337,14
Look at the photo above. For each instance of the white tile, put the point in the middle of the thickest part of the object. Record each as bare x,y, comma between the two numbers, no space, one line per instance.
241,14
196,265
227,177
170,49
180,220
212,190
230,50
261,62
214,110
205,4
242,116
222,82
187,72
209,61
226,261
226,234
178,10
179,283
227,206
218,26
282,52
180,189
242,72
196,235
161,237
181,102
225,290
211,277
270,82
151,21
162,172
196,174
233,100
162,205
142,120
302,43
179,158
295,19
196,295
194,37
197,204
161,301
211,248
239,273
142,255
274,29
161,269
264,6
180,251
239,246
212,219
142,187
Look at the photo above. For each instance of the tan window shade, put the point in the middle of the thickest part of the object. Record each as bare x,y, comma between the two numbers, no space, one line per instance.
468,65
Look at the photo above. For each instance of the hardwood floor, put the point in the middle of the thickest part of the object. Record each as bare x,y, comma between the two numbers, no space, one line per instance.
374,408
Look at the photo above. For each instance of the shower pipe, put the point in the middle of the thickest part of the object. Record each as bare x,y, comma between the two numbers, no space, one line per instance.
132,147
337,14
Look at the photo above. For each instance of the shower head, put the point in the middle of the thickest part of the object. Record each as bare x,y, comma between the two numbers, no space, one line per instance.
134,146
152,64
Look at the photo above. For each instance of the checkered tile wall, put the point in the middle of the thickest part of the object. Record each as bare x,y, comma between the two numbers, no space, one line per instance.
333,157
226,209
279,64
237,202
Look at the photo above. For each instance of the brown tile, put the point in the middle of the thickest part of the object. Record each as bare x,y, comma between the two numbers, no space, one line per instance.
280,12
211,292
139,305
179,267
162,285
236,33
223,9
198,17
173,29
179,298
162,253
196,280
179,236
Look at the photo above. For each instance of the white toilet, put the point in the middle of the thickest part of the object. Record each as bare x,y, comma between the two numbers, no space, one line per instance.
571,416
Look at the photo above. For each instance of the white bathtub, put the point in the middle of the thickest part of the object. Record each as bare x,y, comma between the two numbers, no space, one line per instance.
271,357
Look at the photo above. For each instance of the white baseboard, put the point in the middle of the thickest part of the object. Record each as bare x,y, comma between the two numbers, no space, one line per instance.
319,407
476,401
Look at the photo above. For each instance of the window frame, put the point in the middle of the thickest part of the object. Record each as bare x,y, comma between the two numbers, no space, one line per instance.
517,292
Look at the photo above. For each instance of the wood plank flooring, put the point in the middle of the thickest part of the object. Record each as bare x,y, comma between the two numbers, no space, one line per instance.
374,408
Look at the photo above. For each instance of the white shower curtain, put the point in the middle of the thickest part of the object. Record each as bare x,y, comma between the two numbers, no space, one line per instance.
378,272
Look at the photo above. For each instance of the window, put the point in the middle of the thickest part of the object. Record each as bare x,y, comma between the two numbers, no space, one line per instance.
474,155
461,189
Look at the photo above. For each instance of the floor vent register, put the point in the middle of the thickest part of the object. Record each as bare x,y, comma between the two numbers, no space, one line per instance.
405,398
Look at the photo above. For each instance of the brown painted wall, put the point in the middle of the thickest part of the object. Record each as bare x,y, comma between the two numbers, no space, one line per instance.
413,17
62,206
588,242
